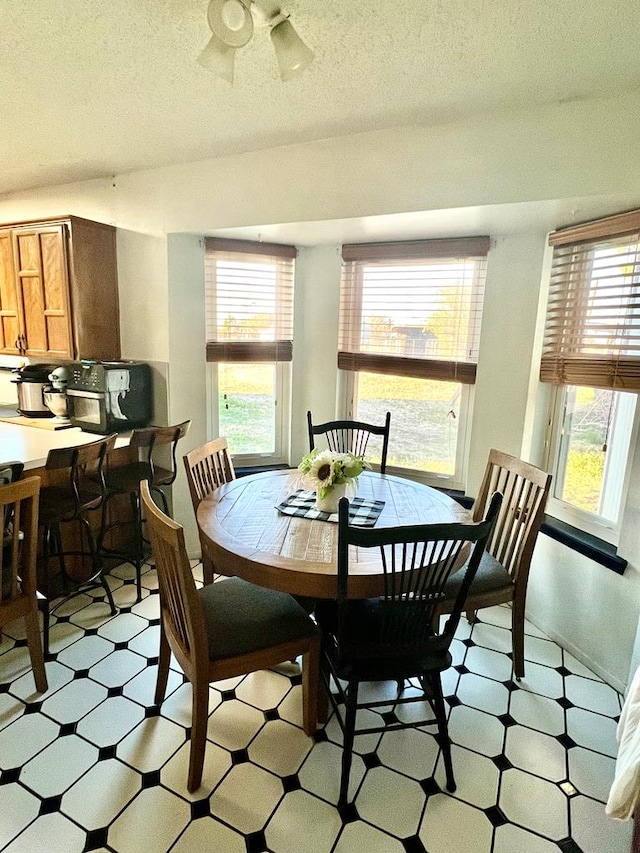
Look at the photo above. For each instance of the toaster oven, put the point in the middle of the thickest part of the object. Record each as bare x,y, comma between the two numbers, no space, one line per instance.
109,396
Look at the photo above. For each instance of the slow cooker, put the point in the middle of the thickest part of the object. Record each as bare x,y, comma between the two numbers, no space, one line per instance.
31,381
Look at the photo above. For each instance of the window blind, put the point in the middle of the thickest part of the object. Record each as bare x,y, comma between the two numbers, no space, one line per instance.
249,300
413,308
592,328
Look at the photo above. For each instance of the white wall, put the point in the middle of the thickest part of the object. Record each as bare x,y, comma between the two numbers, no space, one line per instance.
506,347
590,610
560,152
187,367
315,340
144,295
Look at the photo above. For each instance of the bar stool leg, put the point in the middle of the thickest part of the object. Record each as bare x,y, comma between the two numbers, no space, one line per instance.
43,607
53,540
133,551
98,566
158,491
139,543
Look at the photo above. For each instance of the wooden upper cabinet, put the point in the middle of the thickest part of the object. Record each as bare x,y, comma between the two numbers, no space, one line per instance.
9,315
41,273
59,290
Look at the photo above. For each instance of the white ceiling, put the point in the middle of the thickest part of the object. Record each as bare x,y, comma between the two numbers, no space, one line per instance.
93,88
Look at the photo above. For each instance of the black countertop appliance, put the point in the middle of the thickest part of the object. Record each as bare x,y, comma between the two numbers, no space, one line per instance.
109,396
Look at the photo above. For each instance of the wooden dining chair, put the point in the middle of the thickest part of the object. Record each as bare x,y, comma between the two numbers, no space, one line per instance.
10,472
18,555
223,630
504,569
351,436
392,638
208,467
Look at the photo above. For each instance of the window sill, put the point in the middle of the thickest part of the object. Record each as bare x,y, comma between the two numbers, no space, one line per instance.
258,469
584,543
464,500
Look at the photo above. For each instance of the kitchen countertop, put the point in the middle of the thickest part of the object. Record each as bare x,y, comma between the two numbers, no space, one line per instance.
31,445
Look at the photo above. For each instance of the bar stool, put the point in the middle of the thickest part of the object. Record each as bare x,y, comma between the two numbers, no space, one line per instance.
126,480
70,498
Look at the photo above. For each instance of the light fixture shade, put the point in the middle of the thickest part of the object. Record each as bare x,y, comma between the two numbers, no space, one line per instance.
219,58
291,52
231,21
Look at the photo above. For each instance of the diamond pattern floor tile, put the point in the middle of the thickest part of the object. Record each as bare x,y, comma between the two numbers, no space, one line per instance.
382,785
19,809
592,695
152,822
362,836
100,795
58,766
61,836
209,834
534,803
536,753
450,826
92,766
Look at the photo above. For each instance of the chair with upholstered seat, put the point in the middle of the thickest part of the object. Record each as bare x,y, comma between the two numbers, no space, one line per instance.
76,490
392,638
504,569
150,444
351,436
18,555
223,630
208,467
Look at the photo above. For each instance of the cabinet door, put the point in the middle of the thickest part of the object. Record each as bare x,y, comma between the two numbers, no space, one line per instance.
9,314
41,270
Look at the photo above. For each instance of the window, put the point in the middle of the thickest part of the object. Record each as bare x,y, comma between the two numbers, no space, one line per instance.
591,352
249,323
595,427
410,316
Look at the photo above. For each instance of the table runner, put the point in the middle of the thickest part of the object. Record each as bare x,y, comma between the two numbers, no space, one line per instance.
362,512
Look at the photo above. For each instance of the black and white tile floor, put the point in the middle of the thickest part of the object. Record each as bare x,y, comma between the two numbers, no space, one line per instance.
90,765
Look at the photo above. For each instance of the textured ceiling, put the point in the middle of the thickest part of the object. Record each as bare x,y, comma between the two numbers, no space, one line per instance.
90,88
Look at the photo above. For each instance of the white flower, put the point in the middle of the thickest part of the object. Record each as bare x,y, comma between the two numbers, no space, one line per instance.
325,469
321,471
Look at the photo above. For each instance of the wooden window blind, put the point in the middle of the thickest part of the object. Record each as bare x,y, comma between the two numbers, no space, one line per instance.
592,329
413,308
249,300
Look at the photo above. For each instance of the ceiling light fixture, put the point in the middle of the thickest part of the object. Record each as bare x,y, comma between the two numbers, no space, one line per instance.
231,25
291,52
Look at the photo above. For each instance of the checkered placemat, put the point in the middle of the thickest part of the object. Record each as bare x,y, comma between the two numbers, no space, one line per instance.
302,504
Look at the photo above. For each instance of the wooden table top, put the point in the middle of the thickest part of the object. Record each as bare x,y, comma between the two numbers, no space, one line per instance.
245,535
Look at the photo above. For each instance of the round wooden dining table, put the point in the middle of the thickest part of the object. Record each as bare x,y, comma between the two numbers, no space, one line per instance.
245,535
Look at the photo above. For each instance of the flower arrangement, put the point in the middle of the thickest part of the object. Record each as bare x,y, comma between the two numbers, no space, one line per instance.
325,469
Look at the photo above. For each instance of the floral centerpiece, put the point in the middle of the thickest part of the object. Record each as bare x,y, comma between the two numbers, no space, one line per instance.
329,473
